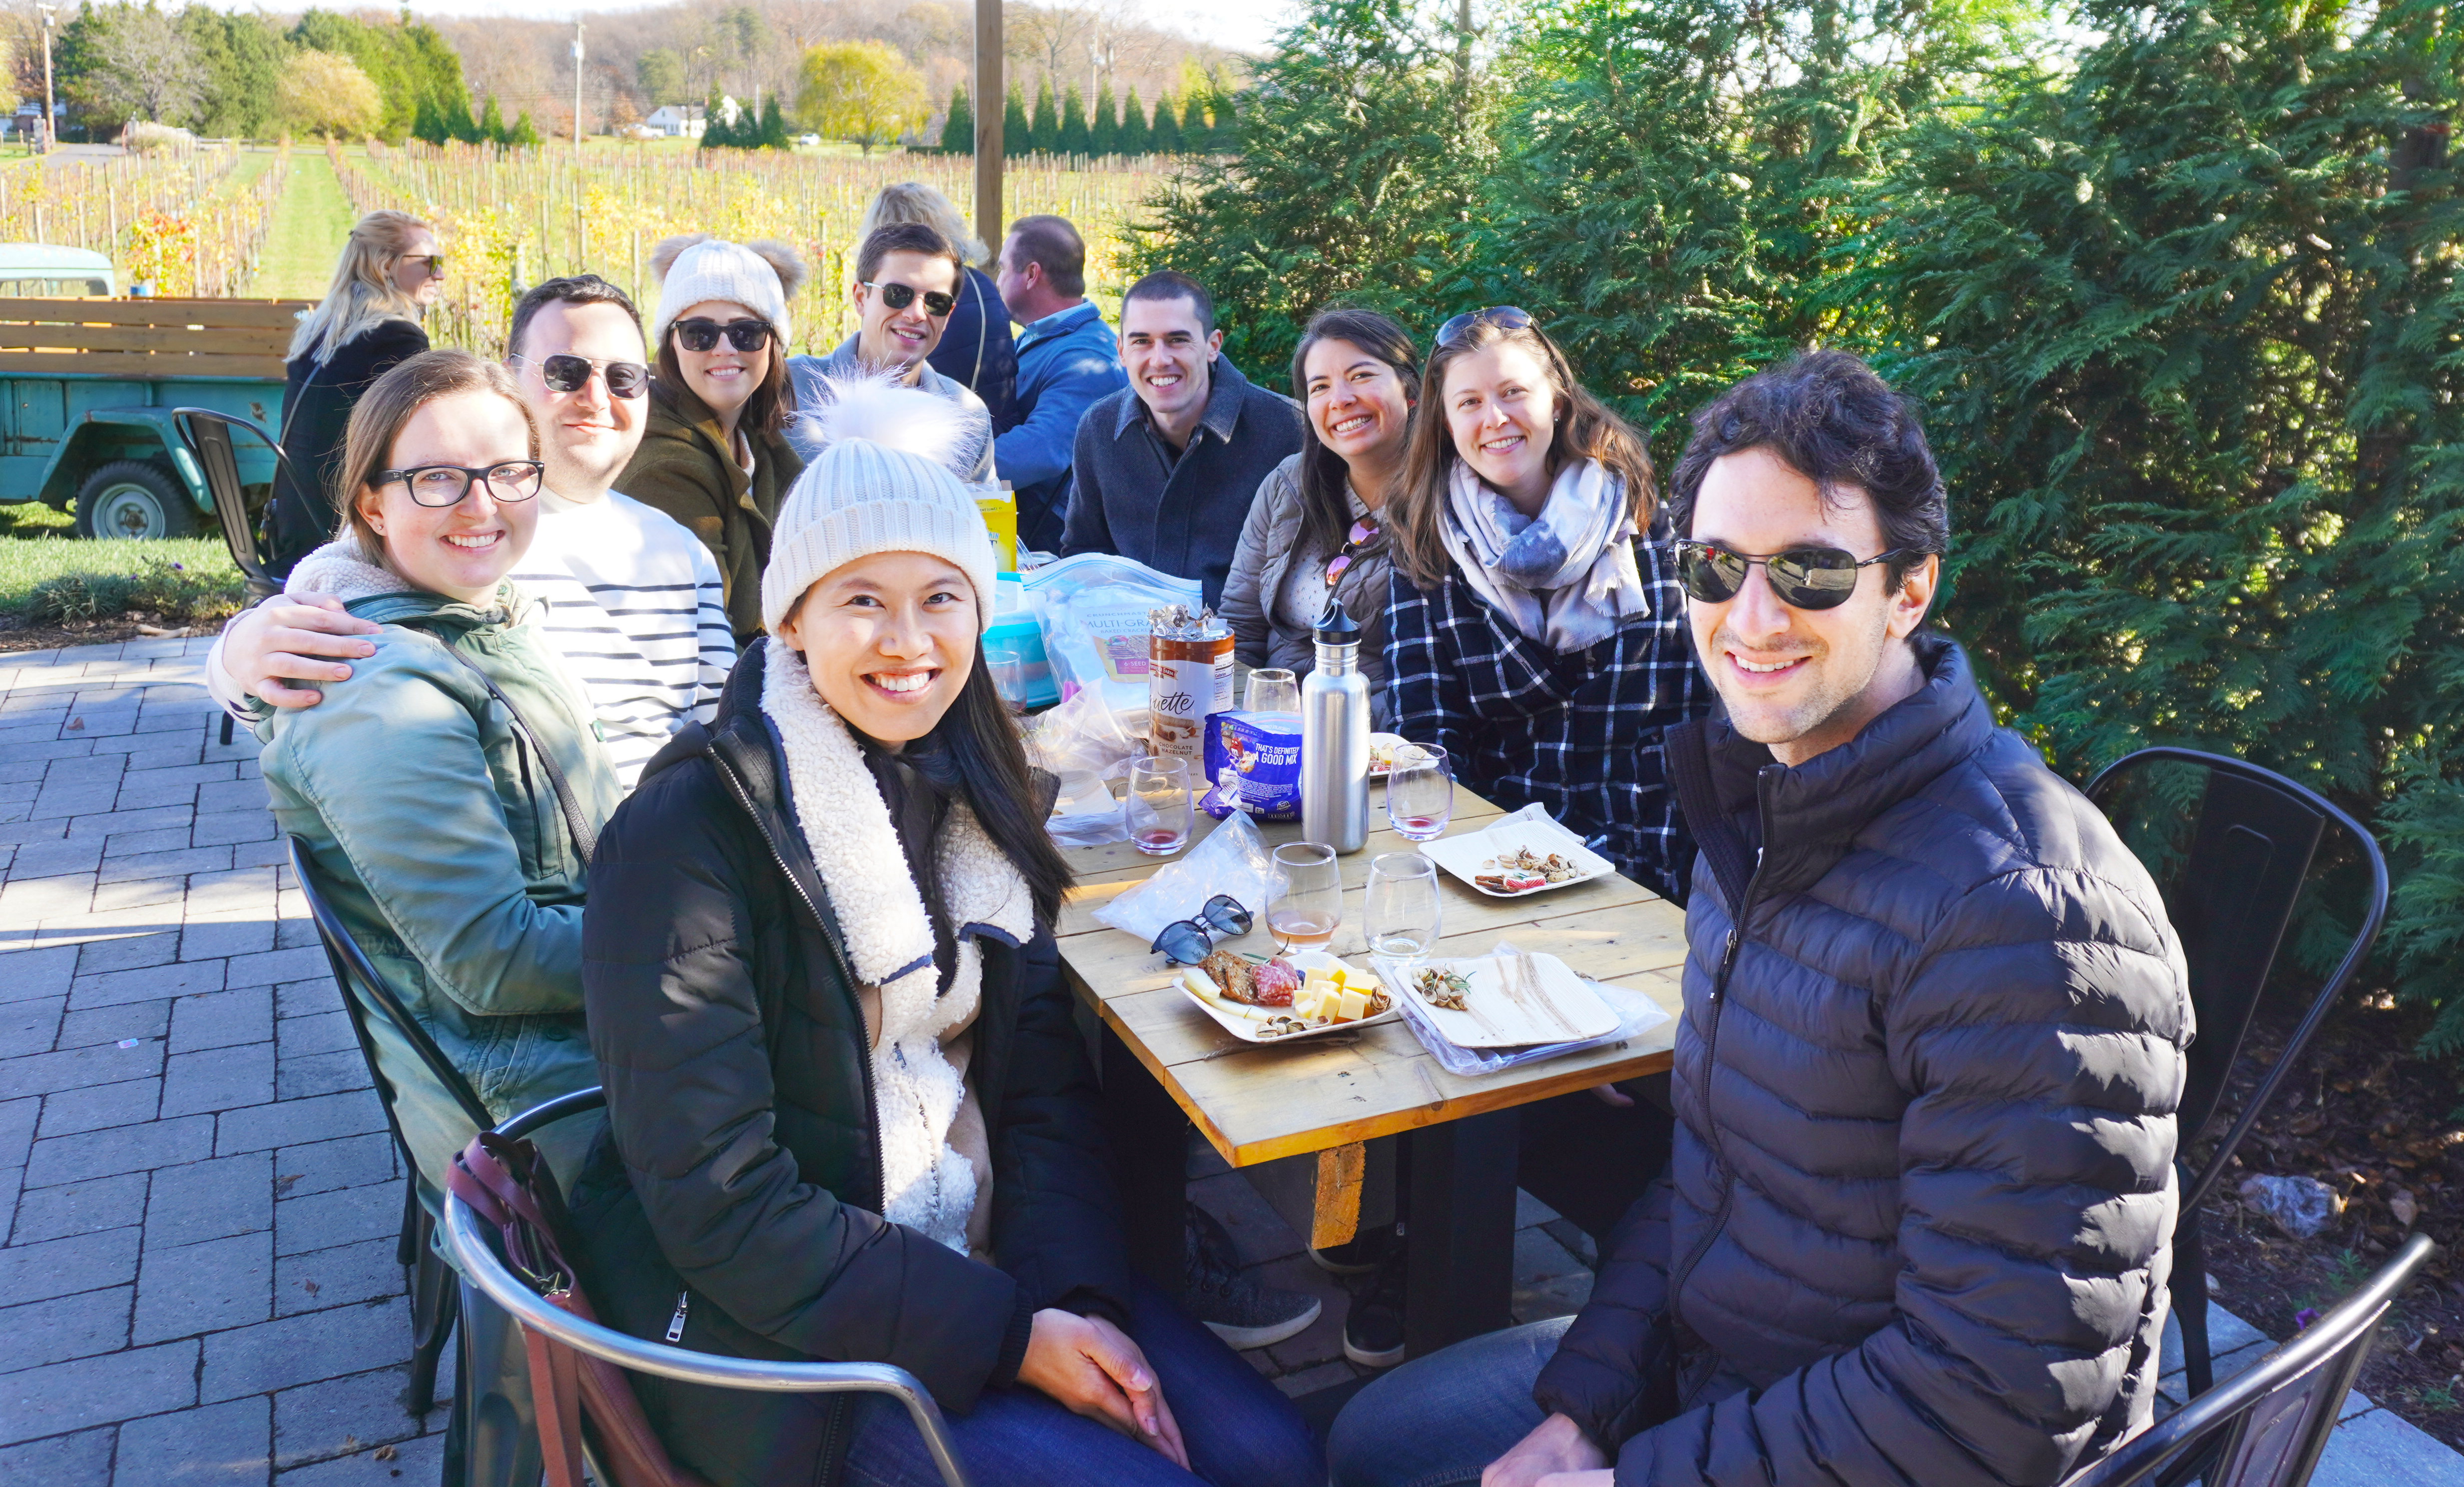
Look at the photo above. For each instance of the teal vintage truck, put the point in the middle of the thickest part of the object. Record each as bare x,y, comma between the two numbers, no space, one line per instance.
90,384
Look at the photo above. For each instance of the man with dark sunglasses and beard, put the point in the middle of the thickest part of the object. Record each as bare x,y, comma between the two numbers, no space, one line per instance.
1916,1223
907,277
629,596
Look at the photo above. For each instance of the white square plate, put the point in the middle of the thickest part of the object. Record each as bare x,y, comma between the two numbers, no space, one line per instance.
1475,853
1552,1006
1248,1023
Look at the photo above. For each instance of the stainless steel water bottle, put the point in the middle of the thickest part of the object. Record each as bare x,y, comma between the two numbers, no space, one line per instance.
1334,739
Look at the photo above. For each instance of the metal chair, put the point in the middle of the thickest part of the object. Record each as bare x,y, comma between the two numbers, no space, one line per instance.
2267,1426
485,1274
2231,891
433,1295
208,434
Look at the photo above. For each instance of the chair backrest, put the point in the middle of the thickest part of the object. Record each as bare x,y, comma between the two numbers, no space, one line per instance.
208,434
365,995
476,1258
2232,867
2266,1426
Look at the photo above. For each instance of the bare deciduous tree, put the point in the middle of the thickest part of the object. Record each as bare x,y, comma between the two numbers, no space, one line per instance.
144,68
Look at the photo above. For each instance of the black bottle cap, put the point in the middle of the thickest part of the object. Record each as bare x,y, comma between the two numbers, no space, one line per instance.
1334,628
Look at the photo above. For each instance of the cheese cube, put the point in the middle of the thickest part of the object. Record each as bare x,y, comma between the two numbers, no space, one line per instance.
1351,1007
1307,1001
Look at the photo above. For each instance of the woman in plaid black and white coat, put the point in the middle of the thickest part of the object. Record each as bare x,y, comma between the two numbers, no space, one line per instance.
1537,630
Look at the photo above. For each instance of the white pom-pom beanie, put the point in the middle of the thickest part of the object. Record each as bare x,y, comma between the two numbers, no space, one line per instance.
715,269
858,498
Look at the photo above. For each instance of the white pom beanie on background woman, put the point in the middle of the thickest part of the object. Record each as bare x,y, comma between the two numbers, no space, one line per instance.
858,498
733,273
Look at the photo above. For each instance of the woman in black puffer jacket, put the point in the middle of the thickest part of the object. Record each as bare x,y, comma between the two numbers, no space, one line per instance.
850,1116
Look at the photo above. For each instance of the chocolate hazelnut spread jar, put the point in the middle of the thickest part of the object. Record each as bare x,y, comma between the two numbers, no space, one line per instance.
1189,679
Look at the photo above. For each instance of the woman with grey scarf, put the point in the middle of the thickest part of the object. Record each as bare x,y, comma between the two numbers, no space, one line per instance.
1536,629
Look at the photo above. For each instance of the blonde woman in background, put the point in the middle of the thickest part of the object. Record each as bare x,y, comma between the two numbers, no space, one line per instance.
976,349
390,271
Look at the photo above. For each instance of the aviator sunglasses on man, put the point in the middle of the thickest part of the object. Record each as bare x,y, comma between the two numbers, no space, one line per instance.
1804,578
701,335
445,485
898,297
565,372
1188,941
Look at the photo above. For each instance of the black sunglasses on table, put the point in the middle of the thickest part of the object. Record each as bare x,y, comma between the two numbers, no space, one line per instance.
1188,941
445,485
565,372
1507,318
898,297
699,335
1804,578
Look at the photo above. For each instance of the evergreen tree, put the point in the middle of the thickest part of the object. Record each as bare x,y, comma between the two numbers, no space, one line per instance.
1223,138
523,135
454,114
492,124
1134,138
242,56
1017,131
407,60
958,128
1045,124
425,125
1165,135
1103,130
772,134
1074,137
716,133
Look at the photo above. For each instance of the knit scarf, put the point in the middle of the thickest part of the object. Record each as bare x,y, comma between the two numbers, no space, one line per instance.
1565,577
926,1184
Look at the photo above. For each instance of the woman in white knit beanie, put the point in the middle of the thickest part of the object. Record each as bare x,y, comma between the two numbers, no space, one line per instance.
852,1116
714,454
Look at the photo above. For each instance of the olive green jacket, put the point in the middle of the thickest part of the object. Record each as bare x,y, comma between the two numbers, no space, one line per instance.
685,468
442,846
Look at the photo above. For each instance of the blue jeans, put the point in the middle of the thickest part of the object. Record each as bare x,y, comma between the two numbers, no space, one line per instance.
1240,1429
1438,1421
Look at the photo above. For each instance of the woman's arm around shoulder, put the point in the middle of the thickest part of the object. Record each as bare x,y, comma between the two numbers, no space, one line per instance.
676,1019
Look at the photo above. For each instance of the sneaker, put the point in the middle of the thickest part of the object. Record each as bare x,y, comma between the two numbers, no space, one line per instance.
1234,1306
1358,1256
1373,1329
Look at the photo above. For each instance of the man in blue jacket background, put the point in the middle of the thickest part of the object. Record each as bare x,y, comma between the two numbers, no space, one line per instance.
1067,358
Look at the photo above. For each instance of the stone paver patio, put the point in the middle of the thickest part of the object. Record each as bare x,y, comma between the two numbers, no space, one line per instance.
199,1197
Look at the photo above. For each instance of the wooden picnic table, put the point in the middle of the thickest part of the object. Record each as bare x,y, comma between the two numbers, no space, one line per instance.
1167,1065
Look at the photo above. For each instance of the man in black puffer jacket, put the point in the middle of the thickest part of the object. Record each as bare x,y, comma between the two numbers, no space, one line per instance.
1916,1223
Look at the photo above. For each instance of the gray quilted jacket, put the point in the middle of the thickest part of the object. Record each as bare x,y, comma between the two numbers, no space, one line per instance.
1916,1223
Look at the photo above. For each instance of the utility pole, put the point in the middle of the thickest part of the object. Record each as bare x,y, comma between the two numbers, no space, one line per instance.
577,91
990,99
51,115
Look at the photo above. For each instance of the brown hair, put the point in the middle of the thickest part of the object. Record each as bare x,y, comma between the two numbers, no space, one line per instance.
1052,243
1173,284
1415,509
577,289
903,237
765,412
377,421
1326,511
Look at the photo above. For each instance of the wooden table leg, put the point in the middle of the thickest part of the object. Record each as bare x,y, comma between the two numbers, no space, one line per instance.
1150,1139
1460,1239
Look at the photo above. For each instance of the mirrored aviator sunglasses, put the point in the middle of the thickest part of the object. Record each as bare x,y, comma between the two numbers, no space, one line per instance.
1188,941
1804,578
1506,318
567,373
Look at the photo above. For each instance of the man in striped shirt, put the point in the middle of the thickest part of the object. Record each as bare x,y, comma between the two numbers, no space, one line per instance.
628,596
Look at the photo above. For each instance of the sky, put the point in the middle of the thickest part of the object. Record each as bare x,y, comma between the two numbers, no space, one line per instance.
1248,25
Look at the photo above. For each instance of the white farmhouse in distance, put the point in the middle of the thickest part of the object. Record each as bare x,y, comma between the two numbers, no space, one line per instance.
674,119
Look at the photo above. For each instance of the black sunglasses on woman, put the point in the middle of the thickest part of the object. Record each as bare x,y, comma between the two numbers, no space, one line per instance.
701,335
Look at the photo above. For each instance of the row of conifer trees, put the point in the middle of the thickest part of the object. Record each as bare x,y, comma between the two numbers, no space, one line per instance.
1203,123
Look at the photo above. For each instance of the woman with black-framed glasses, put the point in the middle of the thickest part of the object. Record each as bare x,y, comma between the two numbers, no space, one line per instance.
716,454
449,791
1316,531
1538,631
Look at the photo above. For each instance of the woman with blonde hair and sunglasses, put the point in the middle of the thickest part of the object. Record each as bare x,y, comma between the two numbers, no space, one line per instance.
390,271
449,796
1537,630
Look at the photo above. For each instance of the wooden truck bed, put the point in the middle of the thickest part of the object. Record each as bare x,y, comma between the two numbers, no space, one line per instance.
146,337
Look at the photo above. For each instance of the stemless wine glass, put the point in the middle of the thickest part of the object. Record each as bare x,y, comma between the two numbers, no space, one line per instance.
1419,792
1405,910
1157,808
1272,689
1308,905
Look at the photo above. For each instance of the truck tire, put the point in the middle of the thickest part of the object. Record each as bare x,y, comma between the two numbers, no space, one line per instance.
134,498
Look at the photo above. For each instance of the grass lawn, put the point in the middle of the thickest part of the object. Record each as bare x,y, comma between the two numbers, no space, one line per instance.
36,546
310,223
